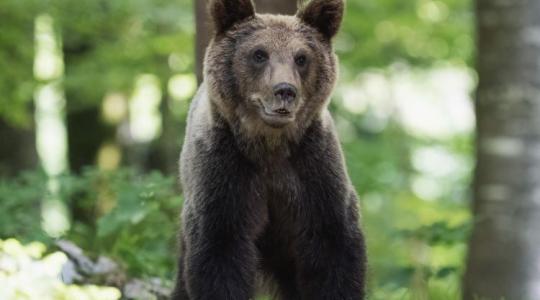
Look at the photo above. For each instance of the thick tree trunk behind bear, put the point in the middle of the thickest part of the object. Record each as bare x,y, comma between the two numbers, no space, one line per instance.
504,251
202,36
204,28
287,7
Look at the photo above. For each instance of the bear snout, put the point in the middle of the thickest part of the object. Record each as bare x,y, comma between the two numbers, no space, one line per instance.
285,92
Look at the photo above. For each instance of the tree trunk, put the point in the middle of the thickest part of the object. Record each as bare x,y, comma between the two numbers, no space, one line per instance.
203,24
86,134
286,7
504,250
164,152
202,36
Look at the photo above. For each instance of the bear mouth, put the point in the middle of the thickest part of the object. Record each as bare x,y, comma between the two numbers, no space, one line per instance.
274,113
277,118
282,112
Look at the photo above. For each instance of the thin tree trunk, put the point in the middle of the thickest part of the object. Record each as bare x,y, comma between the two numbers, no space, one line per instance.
203,24
86,134
504,250
86,131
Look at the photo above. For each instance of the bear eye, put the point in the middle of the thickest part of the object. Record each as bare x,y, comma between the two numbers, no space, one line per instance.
300,60
260,56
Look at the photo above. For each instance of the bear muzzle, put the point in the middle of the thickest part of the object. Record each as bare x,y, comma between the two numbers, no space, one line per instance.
285,92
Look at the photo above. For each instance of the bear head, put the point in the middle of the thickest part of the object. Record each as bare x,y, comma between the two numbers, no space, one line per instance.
272,72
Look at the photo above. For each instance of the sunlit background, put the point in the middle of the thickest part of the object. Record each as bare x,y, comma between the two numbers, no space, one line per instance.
94,99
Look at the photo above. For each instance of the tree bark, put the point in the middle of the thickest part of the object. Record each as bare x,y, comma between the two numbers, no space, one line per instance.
286,7
504,250
204,27
202,36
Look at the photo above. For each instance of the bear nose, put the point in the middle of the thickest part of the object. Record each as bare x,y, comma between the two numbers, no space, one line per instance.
285,92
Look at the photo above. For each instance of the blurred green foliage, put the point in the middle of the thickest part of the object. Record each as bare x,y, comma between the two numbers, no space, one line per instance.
421,33
20,203
416,246
106,44
16,59
127,216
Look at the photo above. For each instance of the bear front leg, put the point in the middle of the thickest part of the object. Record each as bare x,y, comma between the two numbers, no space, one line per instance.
222,268
180,292
332,258
220,217
329,243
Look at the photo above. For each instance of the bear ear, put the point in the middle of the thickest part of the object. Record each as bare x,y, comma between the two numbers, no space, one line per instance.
323,15
226,13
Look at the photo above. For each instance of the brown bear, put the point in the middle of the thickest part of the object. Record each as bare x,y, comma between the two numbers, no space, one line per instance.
267,195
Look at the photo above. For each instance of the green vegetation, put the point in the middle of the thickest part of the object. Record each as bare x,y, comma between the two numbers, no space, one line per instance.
129,217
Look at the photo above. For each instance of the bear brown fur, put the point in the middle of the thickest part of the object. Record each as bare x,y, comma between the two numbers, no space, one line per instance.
268,201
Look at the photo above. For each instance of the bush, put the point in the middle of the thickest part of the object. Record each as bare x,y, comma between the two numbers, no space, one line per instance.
122,214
